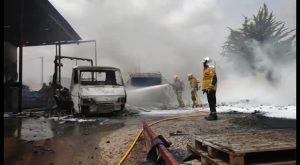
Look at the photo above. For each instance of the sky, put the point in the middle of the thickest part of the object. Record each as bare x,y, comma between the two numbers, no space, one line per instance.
170,36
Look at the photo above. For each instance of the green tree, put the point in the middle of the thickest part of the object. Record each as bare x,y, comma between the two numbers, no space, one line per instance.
260,40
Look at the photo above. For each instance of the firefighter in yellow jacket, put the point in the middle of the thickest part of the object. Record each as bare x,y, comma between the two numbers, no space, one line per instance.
209,86
194,88
178,87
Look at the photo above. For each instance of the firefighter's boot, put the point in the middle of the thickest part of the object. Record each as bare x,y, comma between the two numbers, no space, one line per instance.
212,116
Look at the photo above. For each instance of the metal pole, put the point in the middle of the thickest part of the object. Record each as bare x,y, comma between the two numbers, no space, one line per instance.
95,53
59,63
42,70
54,78
20,78
20,56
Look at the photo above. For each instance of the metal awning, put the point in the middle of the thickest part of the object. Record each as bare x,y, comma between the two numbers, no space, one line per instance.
35,22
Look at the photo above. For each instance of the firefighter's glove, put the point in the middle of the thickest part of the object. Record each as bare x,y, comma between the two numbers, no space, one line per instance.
208,90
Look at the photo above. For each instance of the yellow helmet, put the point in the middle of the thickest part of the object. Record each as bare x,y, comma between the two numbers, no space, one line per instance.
189,74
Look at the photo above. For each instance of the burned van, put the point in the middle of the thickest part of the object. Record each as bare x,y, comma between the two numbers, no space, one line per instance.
97,89
141,80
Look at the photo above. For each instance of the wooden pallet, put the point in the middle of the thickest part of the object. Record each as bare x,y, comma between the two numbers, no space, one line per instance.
272,148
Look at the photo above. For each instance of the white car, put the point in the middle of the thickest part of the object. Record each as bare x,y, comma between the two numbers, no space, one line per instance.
97,89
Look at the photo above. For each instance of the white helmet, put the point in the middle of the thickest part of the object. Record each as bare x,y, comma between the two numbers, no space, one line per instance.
207,60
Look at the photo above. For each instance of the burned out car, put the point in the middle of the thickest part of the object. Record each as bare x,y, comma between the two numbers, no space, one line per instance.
140,80
149,90
96,89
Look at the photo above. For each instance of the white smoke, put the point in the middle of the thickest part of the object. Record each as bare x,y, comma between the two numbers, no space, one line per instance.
170,36
274,81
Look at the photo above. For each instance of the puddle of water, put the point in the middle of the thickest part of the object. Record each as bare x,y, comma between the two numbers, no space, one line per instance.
43,140
34,129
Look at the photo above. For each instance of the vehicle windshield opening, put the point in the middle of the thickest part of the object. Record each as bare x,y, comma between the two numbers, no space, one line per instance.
102,77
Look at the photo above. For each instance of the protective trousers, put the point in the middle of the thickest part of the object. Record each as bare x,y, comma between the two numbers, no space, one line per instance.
195,98
179,98
211,97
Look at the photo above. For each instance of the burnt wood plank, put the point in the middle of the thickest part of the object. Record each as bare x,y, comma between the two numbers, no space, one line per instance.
293,162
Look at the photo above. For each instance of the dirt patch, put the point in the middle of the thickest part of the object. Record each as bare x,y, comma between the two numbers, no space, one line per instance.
114,145
256,120
184,131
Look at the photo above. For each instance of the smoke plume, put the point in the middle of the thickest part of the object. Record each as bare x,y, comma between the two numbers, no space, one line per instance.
171,36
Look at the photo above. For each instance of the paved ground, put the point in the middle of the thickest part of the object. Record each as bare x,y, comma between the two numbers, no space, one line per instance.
105,140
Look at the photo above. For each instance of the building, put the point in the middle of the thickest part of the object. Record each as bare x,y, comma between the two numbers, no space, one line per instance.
29,23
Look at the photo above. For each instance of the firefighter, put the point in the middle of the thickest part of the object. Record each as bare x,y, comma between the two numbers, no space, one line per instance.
209,86
194,88
178,87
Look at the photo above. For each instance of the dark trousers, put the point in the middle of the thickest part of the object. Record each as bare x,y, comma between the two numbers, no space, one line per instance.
211,97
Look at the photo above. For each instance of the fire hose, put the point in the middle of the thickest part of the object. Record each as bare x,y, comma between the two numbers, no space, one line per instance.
121,161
